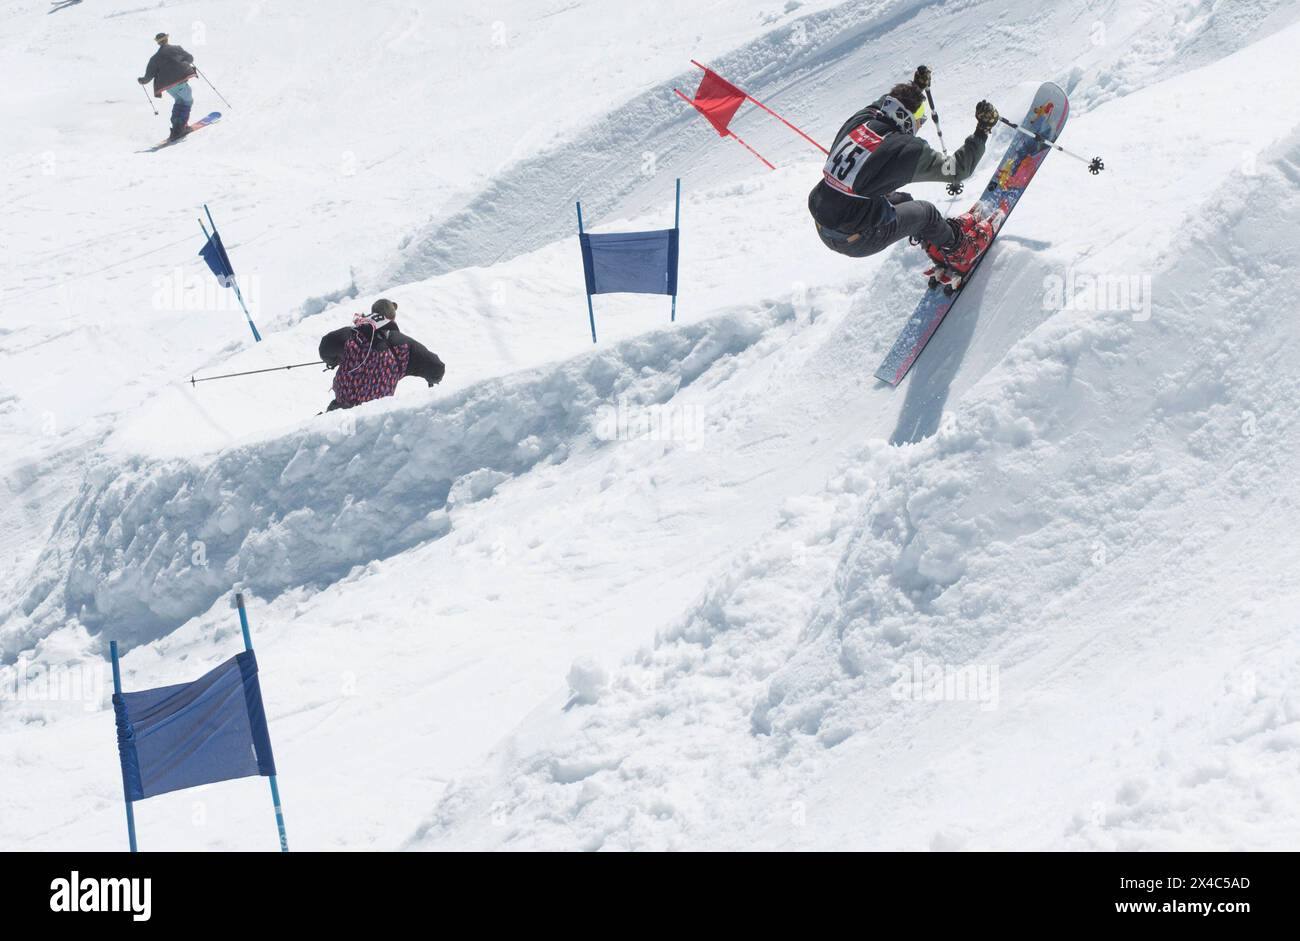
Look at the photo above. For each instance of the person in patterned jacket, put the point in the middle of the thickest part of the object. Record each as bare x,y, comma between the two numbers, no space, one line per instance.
372,356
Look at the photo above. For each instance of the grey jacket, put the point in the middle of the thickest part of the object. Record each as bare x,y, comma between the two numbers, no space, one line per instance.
899,159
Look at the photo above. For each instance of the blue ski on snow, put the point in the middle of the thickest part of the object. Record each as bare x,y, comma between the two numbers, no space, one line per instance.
202,122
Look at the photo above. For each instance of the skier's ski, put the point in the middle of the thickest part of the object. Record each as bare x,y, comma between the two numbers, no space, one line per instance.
202,122
1046,116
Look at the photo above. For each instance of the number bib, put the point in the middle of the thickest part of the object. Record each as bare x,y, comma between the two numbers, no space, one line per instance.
846,160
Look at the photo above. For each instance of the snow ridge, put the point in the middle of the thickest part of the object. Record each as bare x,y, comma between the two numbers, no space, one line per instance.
150,544
532,204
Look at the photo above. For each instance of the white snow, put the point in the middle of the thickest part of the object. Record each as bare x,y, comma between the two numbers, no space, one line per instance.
706,584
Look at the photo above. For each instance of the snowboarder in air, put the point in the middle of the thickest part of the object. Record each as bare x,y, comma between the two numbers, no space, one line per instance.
372,356
857,206
170,70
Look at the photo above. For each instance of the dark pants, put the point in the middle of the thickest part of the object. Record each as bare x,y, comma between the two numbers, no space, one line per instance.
182,102
911,218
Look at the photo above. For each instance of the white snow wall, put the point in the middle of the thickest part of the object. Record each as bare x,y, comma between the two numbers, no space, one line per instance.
148,545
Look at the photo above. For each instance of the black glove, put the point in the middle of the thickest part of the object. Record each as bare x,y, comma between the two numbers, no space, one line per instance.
986,117
897,197
921,79
143,81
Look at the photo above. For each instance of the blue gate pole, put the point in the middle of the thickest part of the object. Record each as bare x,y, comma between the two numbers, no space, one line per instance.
591,313
677,224
257,337
117,690
275,790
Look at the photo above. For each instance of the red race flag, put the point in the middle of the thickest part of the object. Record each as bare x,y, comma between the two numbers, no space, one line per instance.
719,100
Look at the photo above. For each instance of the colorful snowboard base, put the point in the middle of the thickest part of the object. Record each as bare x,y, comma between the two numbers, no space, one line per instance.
1046,116
202,122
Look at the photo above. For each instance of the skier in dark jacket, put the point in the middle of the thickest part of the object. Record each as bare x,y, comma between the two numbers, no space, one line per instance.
857,206
372,356
170,70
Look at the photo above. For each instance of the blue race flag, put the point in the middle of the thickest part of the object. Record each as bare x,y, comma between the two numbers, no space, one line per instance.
214,253
631,262
213,729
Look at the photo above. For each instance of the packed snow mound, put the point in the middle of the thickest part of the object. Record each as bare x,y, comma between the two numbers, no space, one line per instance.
953,568
148,545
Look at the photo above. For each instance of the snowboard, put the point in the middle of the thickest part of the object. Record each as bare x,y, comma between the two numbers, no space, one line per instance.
1046,117
201,122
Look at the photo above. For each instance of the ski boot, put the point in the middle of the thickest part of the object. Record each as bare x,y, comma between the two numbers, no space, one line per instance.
952,265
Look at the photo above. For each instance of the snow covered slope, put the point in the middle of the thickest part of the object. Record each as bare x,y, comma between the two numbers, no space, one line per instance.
702,586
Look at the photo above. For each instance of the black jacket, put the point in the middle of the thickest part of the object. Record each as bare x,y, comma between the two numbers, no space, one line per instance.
898,160
421,363
169,66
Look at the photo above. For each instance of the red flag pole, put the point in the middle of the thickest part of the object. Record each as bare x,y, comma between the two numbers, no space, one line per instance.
788,124
732,134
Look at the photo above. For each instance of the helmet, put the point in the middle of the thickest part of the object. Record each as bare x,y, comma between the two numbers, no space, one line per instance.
898,114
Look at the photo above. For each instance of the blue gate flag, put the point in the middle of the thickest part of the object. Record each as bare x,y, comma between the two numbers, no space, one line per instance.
214,253
213,729
631,262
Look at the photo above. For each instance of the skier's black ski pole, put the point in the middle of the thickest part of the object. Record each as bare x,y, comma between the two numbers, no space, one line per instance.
214,88
148,99
955,187
254,372
1095,165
